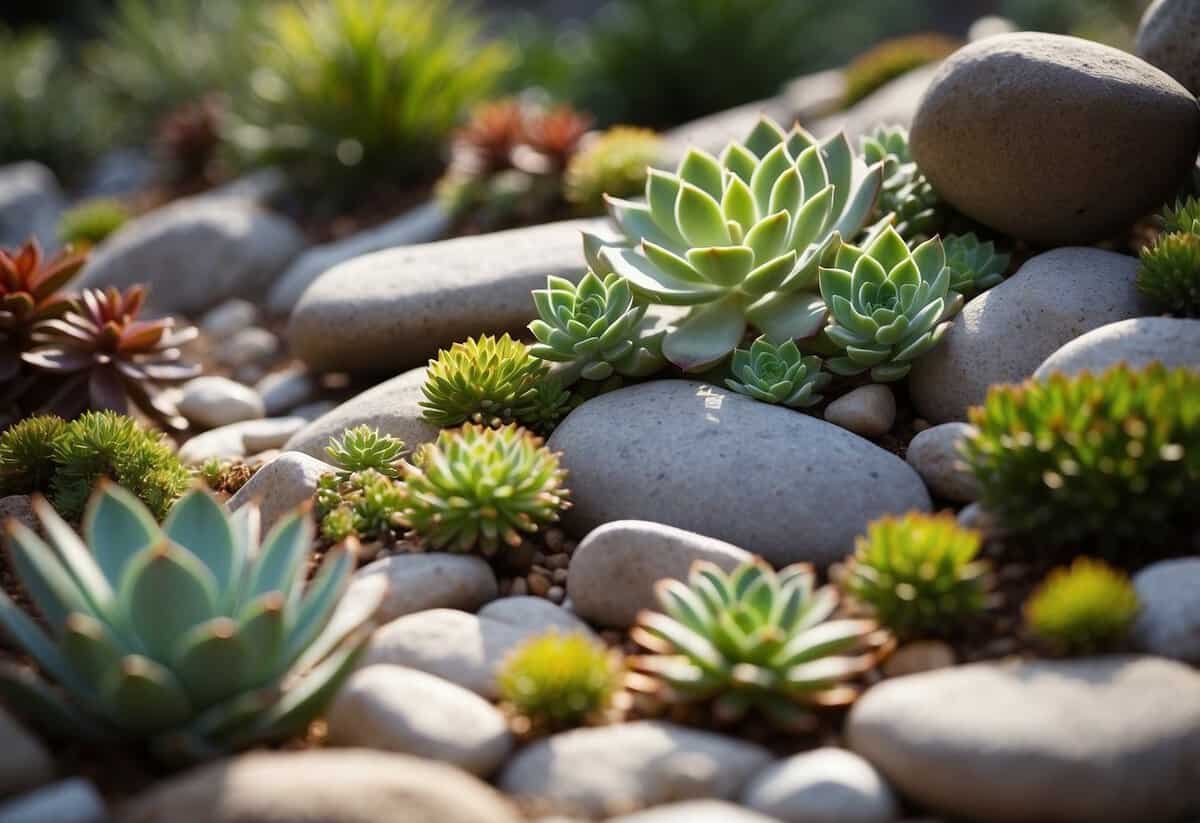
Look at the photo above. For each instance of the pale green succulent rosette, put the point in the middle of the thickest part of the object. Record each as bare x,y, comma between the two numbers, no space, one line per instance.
740,239
888,305
975,267
778,374
595,329
190,637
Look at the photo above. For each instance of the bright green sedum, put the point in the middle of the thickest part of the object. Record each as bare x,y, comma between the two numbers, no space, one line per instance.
92,222
557,681
975,267
740,239
1170,274
192,638
778,374
487,380
362,448
753,639
888,305
1082,609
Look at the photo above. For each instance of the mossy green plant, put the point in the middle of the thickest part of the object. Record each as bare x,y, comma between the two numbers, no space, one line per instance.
1085,608
92,222
28,454
557,681
614,163
1170,274
491,381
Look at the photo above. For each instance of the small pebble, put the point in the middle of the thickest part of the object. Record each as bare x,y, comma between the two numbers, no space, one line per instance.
921,656
869,411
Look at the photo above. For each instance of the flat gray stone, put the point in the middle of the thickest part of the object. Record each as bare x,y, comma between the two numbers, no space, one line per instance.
228,318
1080,139
695,811
771,480
68,801
826,785
420,582
1169,621
288,481
395,309
26,763
212,401
1169,37
1003,335
1172,341
894,104
614,769
240,439
613,571
284,391
1100,739
31,204
393,709
934,454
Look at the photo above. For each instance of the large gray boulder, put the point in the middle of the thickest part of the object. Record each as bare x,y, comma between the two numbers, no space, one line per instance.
1169,37
31,204
1172,341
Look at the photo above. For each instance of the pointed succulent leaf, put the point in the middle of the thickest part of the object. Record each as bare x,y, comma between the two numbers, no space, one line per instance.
117,527
75,557
211,661
281,563
143,696
706,336
44,577
703,171
699,218
166,592
199,524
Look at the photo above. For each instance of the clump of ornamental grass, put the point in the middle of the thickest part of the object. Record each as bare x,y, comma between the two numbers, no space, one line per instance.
557,681
1082,609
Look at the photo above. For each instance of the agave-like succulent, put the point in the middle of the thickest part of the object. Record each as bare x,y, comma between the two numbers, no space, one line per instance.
974,266
1184,216
1084,608
363,447
110,359
189,637
486,380
1170,274
30,293
741,239
477,488
888,305
778,374
594,328
753,639
919,211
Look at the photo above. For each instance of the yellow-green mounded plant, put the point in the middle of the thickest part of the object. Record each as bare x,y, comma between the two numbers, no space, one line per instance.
486,380
1112,459
919,573
919,212
354,90
478,488
363,447
614,163
892,59
778,374
740,239
1183,217
753,639
1084,608
975,267
556,681
91,223
1170,274
191,638
888,305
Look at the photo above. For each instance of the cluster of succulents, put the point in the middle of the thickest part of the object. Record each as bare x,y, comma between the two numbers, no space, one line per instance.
614,163
1112,459
918,574
92,222
556,681
892,59
975,266
1084,608
778,374
919,212
1170,271
363,504
753,640
191,638
364,448
47,455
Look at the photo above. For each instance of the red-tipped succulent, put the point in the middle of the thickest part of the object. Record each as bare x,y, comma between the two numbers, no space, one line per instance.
29,294
555,134
111,360
485,144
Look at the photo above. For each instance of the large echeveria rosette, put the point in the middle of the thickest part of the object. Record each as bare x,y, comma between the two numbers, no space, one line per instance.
740,239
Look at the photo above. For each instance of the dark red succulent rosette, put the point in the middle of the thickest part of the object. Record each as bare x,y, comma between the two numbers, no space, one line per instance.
29,294
556,134
485,144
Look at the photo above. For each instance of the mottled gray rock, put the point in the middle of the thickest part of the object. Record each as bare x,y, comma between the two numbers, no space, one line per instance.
1169,37
196,253
826,785
248,346
423,224
1003,335
213,401
892,104
31,204
241,439
869,411
332,786
1169,621
1172,341
395,309
612,573
26,764
790,487
393,407
69,801
614,769
390,708
18,507
288,481
419,582
533,615
695,811
286,390
229,318
1080,139
1101,739
934,454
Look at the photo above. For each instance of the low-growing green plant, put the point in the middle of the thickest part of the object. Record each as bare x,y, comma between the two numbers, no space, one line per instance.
556,681
778,374
919,574
1170,274
1112,459
975,267
753,639
362,448
888,305
191,638
479,488
365,504
919,212
1082,609
90,223
614,163
894,58
28,454
1183,217
486,380
740,239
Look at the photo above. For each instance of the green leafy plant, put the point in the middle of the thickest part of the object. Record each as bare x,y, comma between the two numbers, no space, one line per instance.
1170,274
487,380
365,504
1183,217
1111,458
1084,608
919,573
740,239
478,488
888,305
595,329
192,638
975,267
90,223
615,163
753,639
348,92
556,681
778,374
919,212
362,448
893,59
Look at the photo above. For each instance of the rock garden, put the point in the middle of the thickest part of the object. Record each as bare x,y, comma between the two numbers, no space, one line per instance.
677,411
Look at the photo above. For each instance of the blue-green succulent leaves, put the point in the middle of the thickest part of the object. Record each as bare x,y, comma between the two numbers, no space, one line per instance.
778,374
